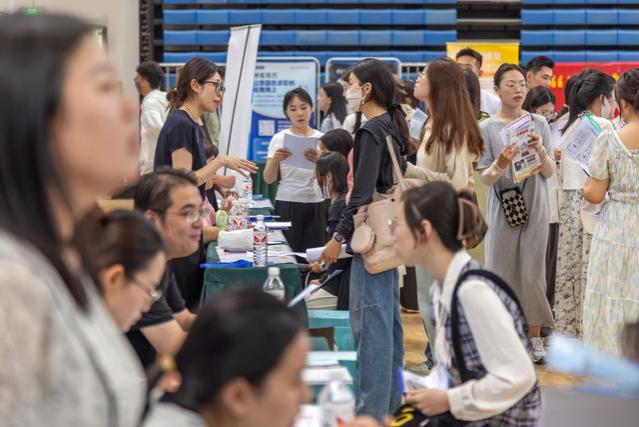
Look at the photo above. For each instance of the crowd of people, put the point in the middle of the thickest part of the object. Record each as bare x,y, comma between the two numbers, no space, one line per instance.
92,300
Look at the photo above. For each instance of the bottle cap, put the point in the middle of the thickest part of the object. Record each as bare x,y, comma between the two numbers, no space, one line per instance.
273,271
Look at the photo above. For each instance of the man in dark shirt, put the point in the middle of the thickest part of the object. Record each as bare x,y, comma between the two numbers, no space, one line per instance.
171,199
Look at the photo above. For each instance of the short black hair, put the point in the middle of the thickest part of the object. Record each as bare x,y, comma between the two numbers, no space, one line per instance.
299,93
470,52
337,140
538,62
153,192
337,166
152,73
503,69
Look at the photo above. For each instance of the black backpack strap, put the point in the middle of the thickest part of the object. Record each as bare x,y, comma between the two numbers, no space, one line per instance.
465,374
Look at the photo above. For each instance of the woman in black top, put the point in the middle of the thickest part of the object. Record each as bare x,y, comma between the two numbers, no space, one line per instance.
374,299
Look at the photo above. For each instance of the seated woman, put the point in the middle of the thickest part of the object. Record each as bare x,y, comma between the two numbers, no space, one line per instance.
331,171
223,383
128,262
486,373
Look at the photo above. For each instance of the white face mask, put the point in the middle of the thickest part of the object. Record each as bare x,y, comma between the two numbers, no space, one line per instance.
354,97
606,109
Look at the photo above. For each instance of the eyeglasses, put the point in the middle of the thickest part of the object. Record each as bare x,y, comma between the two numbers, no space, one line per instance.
153,293
513,86
219,86
193,216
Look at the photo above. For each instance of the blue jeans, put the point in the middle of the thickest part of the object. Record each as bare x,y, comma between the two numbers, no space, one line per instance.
377,330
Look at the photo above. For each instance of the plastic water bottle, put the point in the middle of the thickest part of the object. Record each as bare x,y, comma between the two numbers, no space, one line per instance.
235,217
260,243
274,285
336,402
246,188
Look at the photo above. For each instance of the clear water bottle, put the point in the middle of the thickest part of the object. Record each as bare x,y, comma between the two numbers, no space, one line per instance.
260,243
274,285
235,217
246,188
336,402
244,206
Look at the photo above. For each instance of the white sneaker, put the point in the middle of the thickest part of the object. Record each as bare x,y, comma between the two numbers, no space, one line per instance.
539,352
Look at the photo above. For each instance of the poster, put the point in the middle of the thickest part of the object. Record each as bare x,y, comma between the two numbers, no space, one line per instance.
564,70
273,78
494,54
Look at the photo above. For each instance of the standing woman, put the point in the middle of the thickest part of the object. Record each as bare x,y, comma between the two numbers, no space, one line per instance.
299,198
451,144
374,298
332,105
67,136
612,291
474,91
517,253
592,98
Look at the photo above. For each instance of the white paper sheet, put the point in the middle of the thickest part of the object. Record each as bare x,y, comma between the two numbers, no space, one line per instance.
279,225
416,123
579,144
313,254
527,162
298,145
437,379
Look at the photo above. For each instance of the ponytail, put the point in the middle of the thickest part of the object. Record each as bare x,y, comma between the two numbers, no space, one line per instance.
585,91
198,69
399,117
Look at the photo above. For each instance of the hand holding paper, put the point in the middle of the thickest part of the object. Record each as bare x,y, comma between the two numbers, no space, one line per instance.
298,146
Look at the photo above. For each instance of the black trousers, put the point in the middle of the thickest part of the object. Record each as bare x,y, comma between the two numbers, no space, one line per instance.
551,262
309,224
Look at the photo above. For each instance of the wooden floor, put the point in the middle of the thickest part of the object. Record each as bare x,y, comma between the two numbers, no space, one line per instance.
415,342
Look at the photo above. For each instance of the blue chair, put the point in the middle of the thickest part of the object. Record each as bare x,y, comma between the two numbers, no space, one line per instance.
408,55
536,17
277,38
628,37
601,37
343,38
601,1
374,53
627,2
601,17
310,38
537,37
569,38
537,1
180,17
628,16
569,56
374,16
248,16
180,37
216,37
601,56
375,38
177,57
528,55
343,17
276,16
212,17
429,55
321,55
408,17
439,37
440,17
628,55
569,17
308,16
407,38
569,2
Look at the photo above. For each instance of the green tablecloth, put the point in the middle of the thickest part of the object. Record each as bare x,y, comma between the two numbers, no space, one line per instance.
269,191
218,279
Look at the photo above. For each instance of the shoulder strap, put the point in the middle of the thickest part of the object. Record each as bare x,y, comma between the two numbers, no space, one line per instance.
397,171
454,315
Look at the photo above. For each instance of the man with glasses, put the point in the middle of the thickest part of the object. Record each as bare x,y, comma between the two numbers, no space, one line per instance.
171,199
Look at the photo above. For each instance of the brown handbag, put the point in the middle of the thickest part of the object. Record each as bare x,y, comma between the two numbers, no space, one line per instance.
372,237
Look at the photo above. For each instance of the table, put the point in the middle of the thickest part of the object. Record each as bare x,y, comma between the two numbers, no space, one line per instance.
218,279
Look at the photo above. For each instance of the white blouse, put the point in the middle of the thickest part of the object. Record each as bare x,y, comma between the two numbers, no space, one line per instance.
510,372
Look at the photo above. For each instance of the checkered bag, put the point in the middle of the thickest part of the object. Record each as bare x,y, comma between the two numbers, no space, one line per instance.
513,205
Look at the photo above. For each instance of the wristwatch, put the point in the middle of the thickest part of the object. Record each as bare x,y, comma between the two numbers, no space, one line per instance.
339,238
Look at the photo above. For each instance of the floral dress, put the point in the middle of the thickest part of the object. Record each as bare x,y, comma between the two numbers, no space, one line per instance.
612,290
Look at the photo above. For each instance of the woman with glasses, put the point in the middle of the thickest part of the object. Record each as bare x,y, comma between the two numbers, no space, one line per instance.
129,261
517,253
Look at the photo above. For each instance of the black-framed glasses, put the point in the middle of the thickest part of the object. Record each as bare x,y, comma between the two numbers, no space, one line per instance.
153,293
219,86
193,216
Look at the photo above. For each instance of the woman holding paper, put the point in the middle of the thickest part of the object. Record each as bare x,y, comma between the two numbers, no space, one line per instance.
516,252
590,105
612,291
430,225
299,199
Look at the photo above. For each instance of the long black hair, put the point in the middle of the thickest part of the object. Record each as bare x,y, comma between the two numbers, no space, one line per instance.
384,93
198,69
33,54
337,166
585,91
241,333
335,91
628,88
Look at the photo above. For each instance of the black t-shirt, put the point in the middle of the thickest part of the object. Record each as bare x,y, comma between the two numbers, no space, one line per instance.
179,131
160,312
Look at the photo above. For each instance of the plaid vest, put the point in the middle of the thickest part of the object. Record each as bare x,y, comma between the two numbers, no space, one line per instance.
527,411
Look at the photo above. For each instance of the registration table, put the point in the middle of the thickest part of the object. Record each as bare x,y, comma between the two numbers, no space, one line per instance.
216,279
